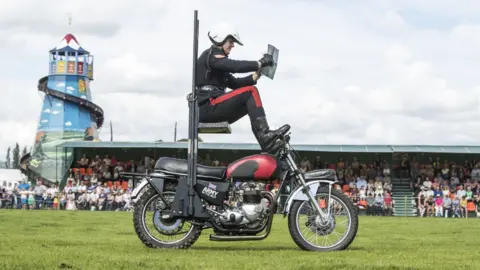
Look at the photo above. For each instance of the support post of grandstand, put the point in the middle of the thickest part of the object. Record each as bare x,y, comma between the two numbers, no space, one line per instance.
193,123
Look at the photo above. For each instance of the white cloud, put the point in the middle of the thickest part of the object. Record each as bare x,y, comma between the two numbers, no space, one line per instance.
376,72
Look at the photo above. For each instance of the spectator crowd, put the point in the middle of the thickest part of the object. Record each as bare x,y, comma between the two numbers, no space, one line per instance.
95,184
446,189
92,185
369,186
77,196
442,189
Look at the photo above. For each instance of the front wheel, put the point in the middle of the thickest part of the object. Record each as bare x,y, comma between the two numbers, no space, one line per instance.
336,232
155,229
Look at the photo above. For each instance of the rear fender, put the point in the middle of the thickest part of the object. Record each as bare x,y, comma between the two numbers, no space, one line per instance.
299,195
155,180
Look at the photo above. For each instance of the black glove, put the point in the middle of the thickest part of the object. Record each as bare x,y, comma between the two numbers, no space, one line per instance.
266,61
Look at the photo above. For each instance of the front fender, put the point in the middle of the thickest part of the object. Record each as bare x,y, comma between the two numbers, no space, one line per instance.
299,195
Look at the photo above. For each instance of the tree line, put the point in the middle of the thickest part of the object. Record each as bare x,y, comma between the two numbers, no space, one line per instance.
13,161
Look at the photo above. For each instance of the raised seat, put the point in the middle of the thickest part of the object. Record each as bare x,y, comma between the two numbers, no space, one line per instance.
180,167
220,127
321,174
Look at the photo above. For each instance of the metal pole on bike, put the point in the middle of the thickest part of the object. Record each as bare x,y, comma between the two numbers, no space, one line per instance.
193,123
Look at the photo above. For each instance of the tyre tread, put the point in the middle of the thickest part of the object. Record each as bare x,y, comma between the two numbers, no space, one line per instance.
297,238
142,234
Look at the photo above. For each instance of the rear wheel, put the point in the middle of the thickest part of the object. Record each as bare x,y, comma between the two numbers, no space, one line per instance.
336,232
155,229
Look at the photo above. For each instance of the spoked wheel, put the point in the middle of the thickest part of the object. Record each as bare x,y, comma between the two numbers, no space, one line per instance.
335,232
156,229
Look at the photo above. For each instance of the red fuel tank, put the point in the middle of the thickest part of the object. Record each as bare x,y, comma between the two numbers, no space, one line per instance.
254,167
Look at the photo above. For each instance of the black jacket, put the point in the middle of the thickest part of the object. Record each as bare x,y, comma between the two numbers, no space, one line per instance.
214,68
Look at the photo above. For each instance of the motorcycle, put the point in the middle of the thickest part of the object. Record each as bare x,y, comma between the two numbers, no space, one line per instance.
179,199
234,202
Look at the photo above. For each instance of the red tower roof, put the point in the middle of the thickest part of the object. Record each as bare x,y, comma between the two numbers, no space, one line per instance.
69,37
69,42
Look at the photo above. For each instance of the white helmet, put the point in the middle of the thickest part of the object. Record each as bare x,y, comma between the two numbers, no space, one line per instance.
221,32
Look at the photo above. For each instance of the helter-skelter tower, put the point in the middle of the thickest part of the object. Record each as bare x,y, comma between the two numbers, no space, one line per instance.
68,113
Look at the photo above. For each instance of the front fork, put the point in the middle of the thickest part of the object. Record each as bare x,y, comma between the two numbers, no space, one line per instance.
301,180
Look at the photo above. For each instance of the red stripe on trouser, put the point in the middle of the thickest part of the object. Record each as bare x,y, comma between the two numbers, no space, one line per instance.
236,92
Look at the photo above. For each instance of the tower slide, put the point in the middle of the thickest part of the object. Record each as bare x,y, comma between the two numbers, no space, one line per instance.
68,113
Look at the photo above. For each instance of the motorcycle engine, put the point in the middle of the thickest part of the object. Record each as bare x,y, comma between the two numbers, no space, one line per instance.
246,206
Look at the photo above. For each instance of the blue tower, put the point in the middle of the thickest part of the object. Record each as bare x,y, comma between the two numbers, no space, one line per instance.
68,113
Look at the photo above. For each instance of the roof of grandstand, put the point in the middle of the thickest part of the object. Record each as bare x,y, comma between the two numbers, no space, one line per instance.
298,147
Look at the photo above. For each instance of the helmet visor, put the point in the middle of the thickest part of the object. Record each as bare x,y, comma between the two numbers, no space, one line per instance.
235,39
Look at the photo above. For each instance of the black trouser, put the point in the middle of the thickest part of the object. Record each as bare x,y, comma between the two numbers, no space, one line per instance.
232,106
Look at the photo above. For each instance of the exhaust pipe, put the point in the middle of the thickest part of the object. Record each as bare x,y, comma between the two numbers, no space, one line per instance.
214,237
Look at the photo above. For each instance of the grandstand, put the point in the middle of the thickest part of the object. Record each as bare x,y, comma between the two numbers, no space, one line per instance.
402,178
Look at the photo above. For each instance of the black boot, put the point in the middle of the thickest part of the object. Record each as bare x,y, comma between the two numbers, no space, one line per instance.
270,147
268,138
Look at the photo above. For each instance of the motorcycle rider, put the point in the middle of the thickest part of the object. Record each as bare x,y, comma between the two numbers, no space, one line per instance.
214,74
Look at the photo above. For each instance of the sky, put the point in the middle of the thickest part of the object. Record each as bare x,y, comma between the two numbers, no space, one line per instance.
349,72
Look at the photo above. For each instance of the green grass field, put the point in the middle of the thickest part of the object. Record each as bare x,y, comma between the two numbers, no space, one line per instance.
106,240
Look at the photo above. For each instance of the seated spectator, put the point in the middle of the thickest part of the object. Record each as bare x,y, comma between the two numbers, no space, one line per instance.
31,199
56,203
438,205
422,204
362,193
379,190
371,173
352,185
379,204
430,205
92,200
446,190
305,165
63,201
456,208
355,166
427,183
437,192
127,206
377,184
386,169
447,205
460,192
387,186
361,182
388,203
371,204
118,201
469,193
439,179
475,174
102,199
445,171
110,200
94,179
71,205
370,185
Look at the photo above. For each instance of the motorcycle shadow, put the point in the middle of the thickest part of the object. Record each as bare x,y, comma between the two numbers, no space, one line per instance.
240,248
260,248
